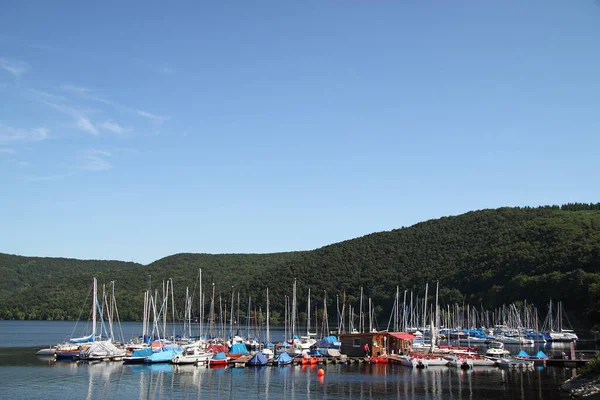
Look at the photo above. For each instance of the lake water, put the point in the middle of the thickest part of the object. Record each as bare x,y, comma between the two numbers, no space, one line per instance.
23,375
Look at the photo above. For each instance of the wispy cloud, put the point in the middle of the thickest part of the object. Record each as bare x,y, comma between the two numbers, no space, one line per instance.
95,160
86,125
153,117
7,150
14,67
11,134
113,127
75,89
60,103
88,94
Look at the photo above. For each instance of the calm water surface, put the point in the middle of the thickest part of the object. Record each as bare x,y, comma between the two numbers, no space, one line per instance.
23,375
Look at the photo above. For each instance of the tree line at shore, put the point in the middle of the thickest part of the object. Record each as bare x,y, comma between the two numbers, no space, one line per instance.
485,258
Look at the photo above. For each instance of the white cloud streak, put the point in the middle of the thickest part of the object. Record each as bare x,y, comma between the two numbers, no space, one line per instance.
95,160
86,125
14,67
153,117
11,134
87,94
7,150
113,127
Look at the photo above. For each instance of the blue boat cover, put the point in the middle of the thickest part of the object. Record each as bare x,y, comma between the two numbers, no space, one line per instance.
522,353
86,339
328,342
258,359
541,354
283,358
238,348
315,352
220,356
147,352
164,355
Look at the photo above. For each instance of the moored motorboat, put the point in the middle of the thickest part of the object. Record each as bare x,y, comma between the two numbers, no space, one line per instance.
192,356
509,362
219,360
102,350
539,358
258,360
138,356
283,359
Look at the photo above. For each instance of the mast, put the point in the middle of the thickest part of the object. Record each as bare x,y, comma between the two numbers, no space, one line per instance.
285,318
437,317
165,296
325,314
294,310
370,316
231,313
172,307
200,304
248,317
425,307
404,314
308,316
94,303
396,309
111,311
187,313
268,333
145,316
212,313
361,322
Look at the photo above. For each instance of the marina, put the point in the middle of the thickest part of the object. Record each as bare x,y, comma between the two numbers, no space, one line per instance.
24,374
169,349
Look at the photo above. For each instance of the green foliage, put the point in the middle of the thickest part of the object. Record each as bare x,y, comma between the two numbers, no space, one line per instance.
487,257
592,367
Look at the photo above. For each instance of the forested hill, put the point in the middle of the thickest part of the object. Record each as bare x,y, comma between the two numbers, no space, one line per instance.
485,258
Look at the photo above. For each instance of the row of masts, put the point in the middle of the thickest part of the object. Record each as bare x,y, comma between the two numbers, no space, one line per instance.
408,314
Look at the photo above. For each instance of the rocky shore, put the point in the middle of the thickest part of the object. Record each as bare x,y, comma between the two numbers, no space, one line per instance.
583,387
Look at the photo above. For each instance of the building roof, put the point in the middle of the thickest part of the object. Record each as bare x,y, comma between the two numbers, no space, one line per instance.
403,335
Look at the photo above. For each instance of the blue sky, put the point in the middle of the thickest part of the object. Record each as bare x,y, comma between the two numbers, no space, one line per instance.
135,130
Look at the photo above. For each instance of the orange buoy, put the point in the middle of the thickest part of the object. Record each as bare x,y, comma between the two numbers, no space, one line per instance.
321,372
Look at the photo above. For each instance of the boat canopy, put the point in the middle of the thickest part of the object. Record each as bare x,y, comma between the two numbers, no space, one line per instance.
329,341
258,359
541,354
522,353
85,339
283,358
220,356
217,348
147,352
238,348
331,352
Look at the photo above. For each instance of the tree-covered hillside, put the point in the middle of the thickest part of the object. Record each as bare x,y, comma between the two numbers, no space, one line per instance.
485,258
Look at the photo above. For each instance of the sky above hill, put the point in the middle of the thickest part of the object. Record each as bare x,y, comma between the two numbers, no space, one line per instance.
133,130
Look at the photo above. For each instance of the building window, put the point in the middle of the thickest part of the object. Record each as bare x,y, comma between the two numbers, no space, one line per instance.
356,342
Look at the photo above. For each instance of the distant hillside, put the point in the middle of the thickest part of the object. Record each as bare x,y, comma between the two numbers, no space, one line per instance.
485,258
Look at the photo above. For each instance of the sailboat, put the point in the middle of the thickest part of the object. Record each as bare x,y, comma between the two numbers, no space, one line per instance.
71,349
101,349
556,332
